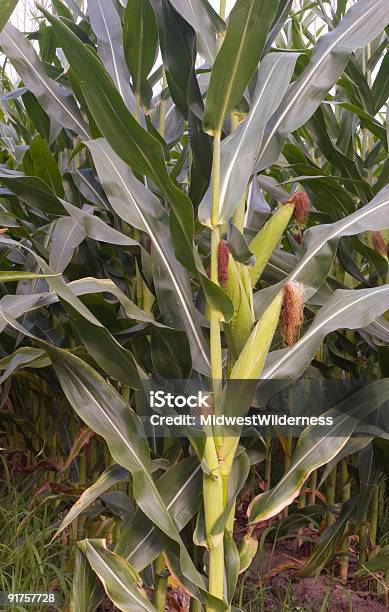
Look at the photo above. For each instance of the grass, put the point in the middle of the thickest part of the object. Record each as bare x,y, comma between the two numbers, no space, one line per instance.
28,563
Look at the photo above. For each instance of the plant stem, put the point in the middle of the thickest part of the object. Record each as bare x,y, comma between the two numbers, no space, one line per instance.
160,584
287,460
213,507
212,483
313,487
302,500
216,182
374,515
267,475
362,540
215,340
330,491
137,106
346,490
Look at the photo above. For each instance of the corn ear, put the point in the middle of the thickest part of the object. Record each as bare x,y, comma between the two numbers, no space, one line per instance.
246,281
239,328
264,243
252,358
379,243
250,363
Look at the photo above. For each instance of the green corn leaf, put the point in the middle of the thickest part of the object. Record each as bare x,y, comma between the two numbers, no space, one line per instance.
32,190
96,228
121,583
349,309
320,244
104,411
62,10
66,235
377,563
178,52
106,24
138,149
205,22
240,148
86,592
100,406
10,277
54,98
141,151
24,357
19,305
248,27
116,360
180,488
231,564
112,475
368,122
329,539
380,89
6,10
139,207
140,35
354,445
363,22
318,445
44,165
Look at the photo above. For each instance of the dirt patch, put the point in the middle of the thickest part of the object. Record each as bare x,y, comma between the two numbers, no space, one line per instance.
273,584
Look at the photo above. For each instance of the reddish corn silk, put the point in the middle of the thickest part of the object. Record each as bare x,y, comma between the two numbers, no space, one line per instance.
148,244
298,237
301,207
223,254
379,243
292,312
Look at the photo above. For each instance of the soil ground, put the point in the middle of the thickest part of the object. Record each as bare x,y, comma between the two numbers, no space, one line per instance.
273,585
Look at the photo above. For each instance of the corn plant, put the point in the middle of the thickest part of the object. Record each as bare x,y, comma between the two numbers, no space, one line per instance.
220,216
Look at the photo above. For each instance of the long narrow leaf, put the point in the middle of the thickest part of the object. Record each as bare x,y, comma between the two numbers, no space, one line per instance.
239,150
320,244
54,98
248,27
6,10
348,309
318,445
120,581
107,26
363,22
139,207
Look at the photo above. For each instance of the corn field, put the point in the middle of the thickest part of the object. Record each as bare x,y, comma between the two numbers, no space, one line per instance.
194,308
